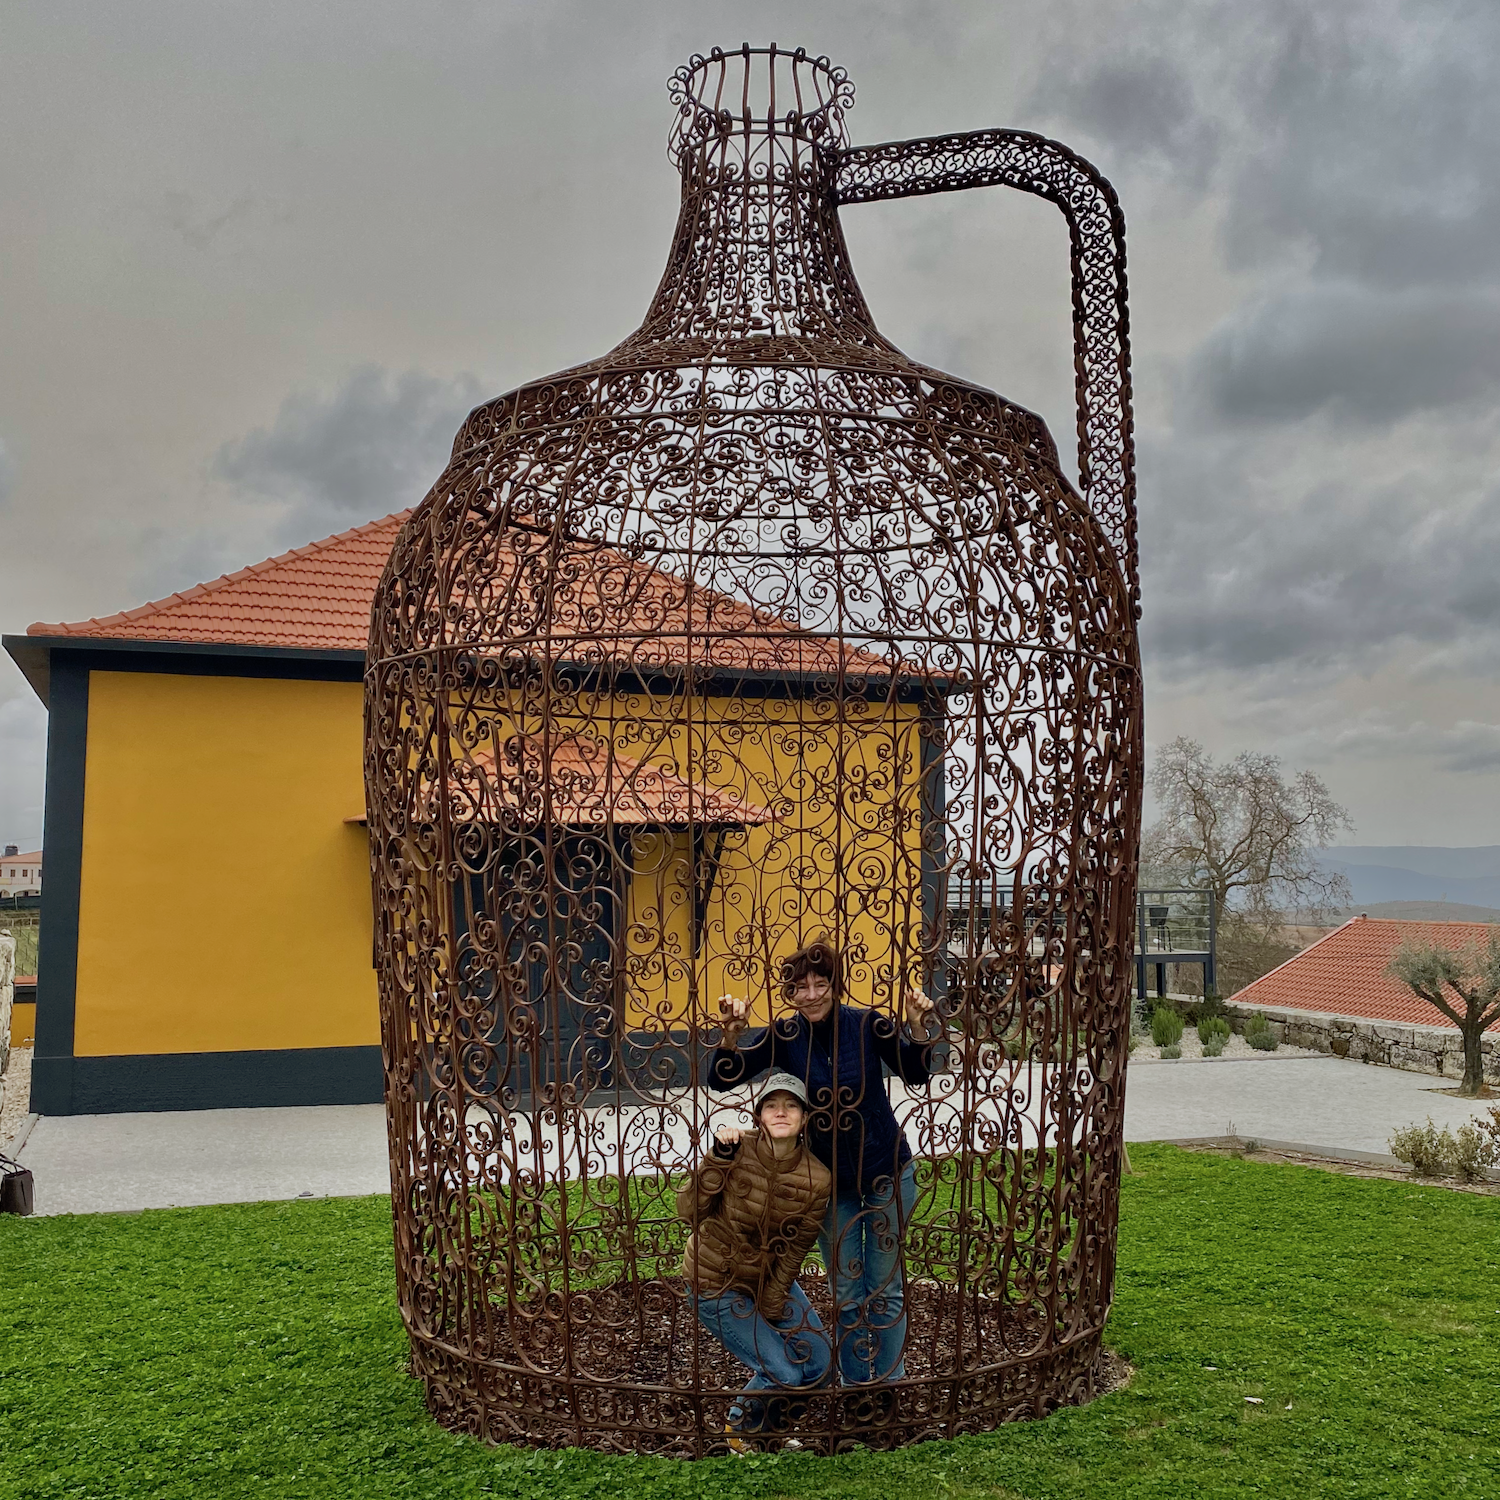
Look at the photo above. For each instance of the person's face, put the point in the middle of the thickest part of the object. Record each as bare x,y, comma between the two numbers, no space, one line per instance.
812,995
781,1116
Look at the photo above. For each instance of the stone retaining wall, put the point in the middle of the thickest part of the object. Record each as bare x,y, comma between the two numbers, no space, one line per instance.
7,998
1392,1044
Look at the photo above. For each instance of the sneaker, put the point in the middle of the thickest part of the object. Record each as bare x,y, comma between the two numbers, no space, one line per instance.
737,1445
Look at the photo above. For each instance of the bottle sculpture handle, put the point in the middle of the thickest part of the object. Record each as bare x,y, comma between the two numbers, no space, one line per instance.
1096,231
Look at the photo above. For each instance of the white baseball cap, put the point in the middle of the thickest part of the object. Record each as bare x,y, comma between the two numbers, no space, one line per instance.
780,1083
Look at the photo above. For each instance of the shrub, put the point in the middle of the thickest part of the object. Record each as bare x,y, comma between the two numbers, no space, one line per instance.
1171,1052
1166,1027
1472,1152
1212,1008
1214,1046
1490,1130
1431,1152
1427,1150
1260,1033
1211,1028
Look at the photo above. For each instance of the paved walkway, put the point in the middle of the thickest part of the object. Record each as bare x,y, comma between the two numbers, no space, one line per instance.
1314,1100
99,1163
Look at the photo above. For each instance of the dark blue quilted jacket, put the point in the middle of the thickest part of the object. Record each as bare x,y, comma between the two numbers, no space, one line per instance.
851,1050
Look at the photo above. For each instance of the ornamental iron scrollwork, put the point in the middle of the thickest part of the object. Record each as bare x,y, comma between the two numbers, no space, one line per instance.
749,632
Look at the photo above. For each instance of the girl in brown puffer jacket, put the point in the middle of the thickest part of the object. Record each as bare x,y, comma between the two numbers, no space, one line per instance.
756,1203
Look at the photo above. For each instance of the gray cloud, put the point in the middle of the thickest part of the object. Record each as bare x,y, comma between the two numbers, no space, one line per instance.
1374,130
1317,463
1360,138
208,215
1471,747
197,227
1141,101
1467,747
1248,573
1362,354
334,459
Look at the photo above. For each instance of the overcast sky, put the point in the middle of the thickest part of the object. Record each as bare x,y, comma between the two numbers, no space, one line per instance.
258,260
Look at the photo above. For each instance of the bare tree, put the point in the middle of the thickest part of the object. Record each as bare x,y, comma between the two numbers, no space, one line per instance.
1462,983
1243,831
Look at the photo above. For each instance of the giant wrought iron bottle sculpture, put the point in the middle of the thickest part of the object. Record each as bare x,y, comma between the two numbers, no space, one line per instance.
753,629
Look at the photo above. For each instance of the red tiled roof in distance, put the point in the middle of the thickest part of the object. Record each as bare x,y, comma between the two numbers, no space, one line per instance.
1344,974
318,598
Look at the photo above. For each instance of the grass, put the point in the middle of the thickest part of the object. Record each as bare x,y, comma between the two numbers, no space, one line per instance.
255,1350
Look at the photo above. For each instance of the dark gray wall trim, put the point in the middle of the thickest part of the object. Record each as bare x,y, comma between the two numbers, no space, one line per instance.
36,655
219,661
105,647
62,839
213,1080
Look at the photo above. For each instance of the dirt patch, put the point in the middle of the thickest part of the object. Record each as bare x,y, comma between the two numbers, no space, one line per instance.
650,1379
1115,1373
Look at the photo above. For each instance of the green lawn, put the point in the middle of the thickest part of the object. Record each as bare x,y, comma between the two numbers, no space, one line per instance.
255,1351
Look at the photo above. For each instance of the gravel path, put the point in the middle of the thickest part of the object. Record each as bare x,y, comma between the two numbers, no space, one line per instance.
1237,1049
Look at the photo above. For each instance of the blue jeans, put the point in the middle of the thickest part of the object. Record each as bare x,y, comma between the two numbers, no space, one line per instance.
788,1352
867,1230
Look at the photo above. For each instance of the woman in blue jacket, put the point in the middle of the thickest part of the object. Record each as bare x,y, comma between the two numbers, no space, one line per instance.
842,1054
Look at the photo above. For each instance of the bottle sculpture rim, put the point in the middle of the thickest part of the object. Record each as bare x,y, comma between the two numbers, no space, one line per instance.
709,109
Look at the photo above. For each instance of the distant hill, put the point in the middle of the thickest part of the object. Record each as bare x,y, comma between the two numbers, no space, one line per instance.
1405,873
1423,911
1474,862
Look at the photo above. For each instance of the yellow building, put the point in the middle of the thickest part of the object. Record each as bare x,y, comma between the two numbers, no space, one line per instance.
207,920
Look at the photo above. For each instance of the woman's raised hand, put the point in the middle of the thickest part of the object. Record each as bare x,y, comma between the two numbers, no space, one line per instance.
728,1136
734,1017
921,1015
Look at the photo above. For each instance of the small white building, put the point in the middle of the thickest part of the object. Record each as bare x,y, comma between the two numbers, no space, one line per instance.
20,874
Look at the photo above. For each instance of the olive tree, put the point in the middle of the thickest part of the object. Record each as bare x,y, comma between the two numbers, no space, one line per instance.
1249,834
1461,983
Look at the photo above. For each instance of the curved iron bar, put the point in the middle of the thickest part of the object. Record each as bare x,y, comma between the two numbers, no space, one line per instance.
1101,323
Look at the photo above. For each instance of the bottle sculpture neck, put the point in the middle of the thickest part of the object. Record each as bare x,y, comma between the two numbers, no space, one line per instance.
758,251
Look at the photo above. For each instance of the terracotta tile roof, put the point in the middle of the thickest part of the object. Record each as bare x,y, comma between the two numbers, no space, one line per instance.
641,617
591,785
318,598
593,782
1344,974
315,598
34,858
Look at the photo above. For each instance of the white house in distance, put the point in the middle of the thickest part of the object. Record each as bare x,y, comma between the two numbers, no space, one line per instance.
20,874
